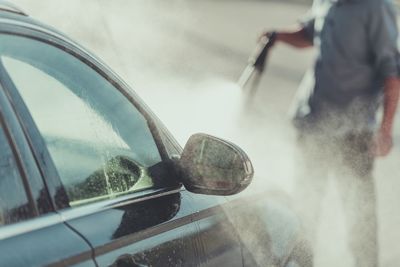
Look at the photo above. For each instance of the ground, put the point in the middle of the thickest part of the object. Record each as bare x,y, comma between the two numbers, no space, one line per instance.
184,58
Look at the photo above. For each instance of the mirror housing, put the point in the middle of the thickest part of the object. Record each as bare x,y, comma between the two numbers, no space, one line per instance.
212,166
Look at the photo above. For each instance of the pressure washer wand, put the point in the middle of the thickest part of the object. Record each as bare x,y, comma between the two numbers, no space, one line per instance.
256,62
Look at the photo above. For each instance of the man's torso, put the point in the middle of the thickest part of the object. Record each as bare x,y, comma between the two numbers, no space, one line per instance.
345,89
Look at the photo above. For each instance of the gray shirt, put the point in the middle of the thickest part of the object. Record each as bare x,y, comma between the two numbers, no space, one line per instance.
357,45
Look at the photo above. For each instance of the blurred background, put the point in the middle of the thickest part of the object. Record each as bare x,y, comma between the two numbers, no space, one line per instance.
183,57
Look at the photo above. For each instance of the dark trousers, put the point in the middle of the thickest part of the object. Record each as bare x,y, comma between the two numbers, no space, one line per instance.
348,158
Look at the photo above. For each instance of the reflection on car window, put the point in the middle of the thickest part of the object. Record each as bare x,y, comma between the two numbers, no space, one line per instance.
14,205
100,143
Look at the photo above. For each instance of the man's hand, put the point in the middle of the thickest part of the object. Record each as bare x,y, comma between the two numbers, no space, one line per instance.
266,35
382,144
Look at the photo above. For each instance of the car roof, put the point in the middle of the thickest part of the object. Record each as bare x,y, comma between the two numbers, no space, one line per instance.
12,15
10,7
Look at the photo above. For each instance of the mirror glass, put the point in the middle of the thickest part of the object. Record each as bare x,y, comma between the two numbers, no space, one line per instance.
212,164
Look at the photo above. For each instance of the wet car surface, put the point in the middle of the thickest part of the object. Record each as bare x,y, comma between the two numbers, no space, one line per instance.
90,176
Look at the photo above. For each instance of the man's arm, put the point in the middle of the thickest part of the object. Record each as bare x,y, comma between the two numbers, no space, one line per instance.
300,37
296,38
383,142
383,35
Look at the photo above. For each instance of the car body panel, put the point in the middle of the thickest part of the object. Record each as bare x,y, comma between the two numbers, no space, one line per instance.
45,241
221,244
154,231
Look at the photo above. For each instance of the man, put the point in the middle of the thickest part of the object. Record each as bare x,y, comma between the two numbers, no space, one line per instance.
357,67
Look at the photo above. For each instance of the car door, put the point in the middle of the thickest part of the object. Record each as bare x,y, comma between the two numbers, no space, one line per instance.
31,233
121,195
220,241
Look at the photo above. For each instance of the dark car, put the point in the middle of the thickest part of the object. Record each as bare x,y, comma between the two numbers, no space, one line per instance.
90,177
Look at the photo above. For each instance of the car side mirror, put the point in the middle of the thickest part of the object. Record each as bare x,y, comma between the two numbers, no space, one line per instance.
212,166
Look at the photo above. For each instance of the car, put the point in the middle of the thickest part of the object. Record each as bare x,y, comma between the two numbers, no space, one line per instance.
89,176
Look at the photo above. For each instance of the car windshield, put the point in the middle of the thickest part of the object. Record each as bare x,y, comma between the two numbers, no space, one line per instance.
100,143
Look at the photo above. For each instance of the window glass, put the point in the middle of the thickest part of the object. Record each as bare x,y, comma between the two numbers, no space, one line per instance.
100,143
14,204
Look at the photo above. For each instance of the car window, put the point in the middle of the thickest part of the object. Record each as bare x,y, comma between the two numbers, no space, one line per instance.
14,204
100,143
